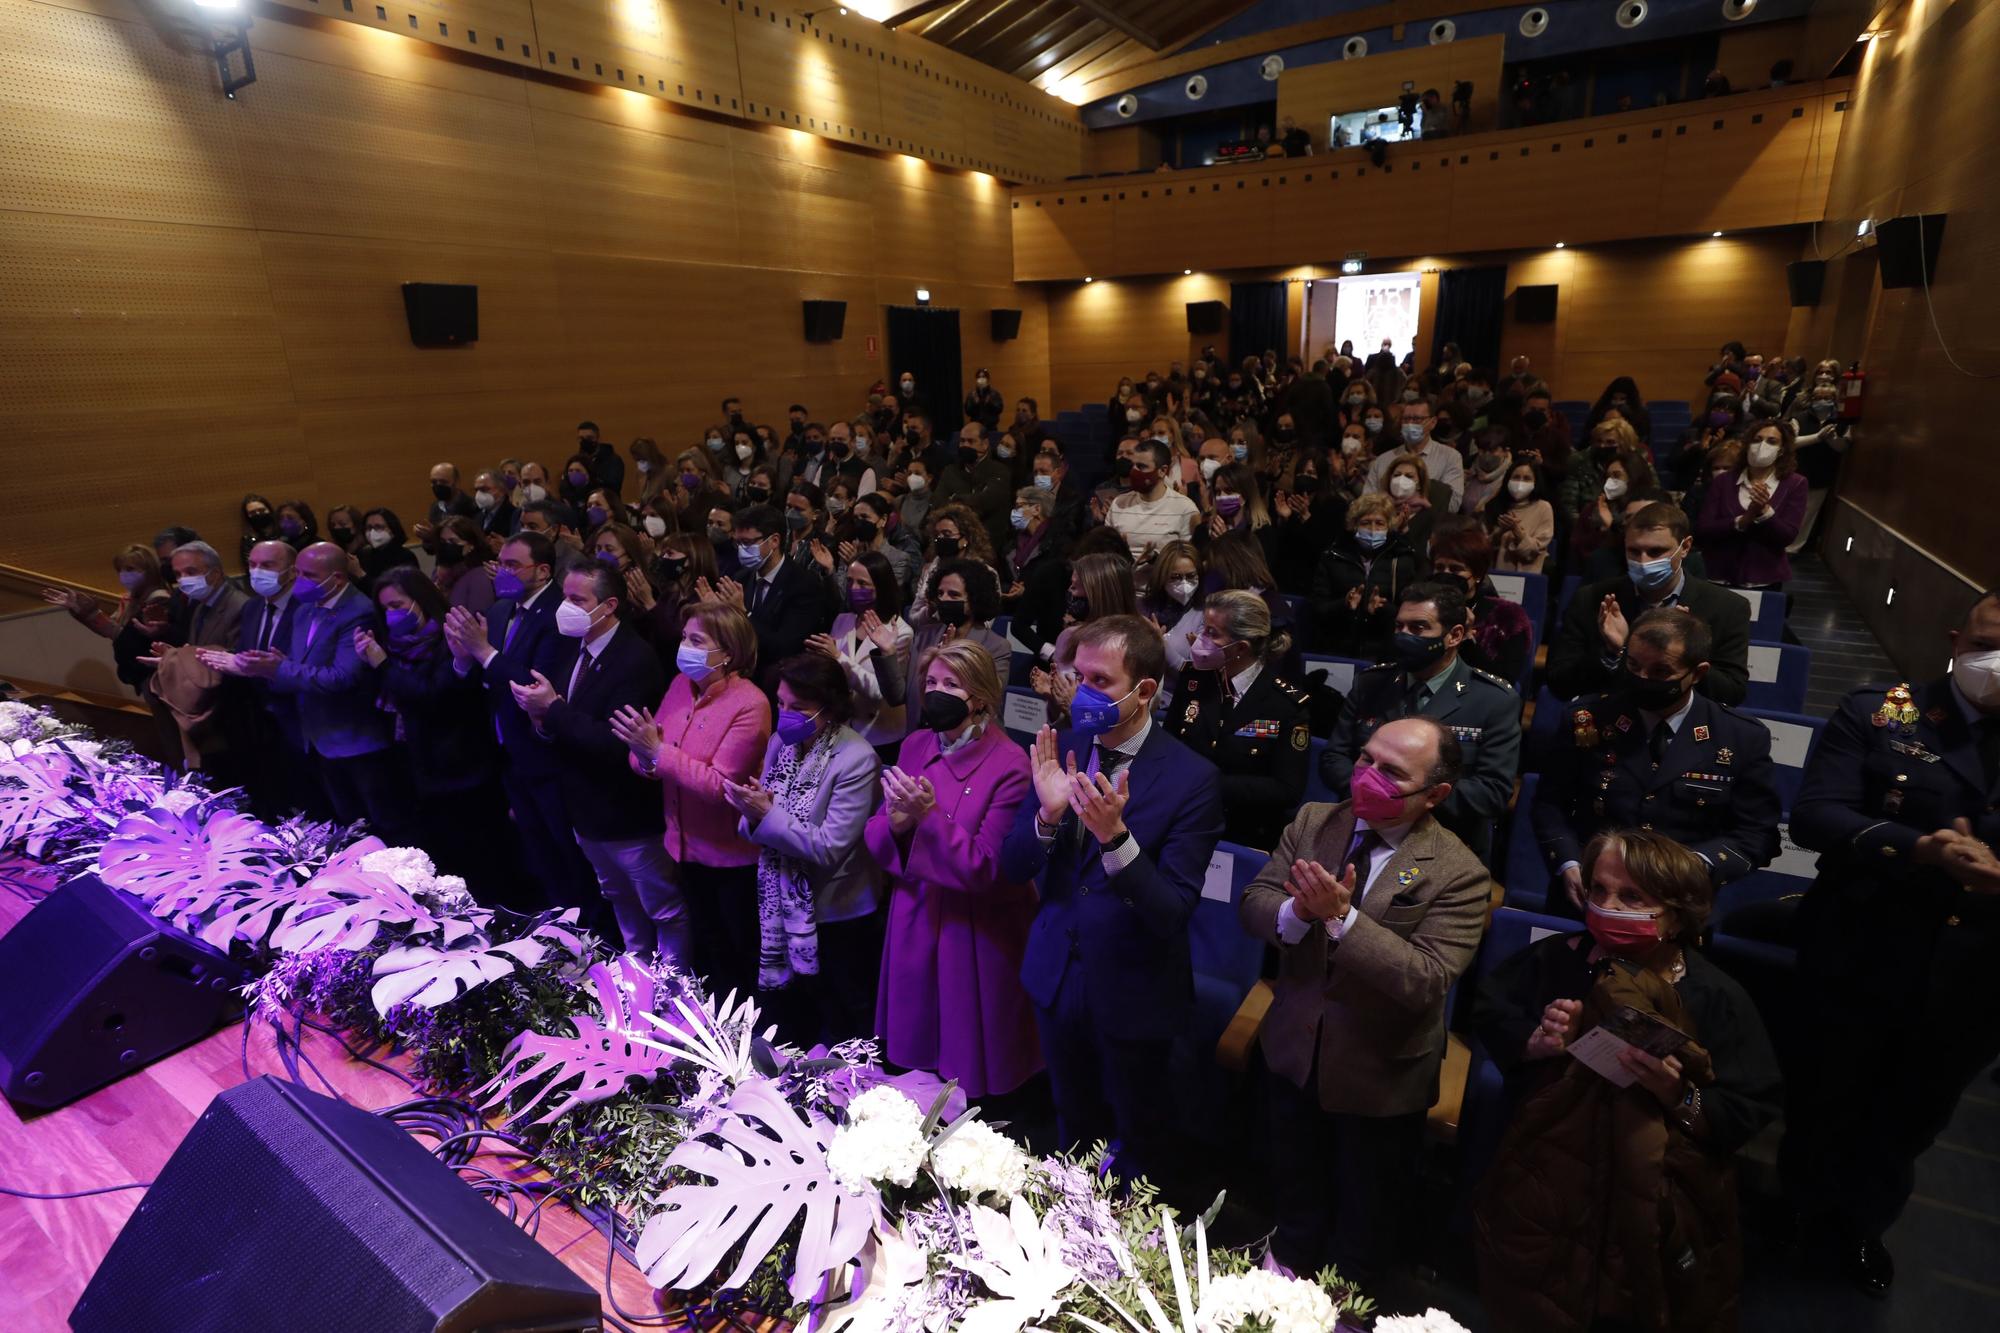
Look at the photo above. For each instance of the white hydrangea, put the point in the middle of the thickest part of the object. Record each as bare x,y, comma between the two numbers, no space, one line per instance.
180,800
1283,1304
18,722
883,1102
884,1150
978,1159
413,871
1430,1321
449,894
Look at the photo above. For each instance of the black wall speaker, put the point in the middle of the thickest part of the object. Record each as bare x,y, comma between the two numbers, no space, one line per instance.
1006,325
1807,279
93,987
825,320
1207,317
441,314
1535,304
1903,257
285,1209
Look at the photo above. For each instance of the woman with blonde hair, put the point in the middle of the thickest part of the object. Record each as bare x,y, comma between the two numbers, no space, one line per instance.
1173,597
1100,585
950,998
144,608
1359,579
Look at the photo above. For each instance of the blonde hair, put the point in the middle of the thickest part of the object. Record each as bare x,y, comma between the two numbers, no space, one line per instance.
731,630
975,669
1373,505
1619,429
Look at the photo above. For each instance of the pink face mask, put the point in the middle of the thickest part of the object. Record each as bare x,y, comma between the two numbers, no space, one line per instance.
1376,797
1628,934
1207,656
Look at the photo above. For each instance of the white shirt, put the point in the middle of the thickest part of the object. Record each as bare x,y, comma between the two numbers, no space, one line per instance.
1292,928
592,650
1743,495
1126,853
1154,523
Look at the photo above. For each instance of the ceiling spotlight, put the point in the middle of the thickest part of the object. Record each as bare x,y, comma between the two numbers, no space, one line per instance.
1187,272
1559,245
923,296
1715,235
1862,230
1088,278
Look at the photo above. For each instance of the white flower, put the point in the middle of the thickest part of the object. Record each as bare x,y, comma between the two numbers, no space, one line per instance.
412,870
866,1153
1430,1321
978,1159
883,1102
17,722
180,800
1284,1304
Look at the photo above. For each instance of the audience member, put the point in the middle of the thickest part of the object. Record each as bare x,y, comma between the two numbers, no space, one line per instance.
1522,520
186,688
1500,639
1173,580
498,517
260,523
1745,527
277,767
447,501
141,620
1622,401
871,641
786,602
962,604
1358,579
1151,513
382,548
297,527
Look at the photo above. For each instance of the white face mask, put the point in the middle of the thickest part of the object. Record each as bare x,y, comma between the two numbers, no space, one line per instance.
379,537
1181,590
572,621
485,499
1520,490
1350,445
917,483
643,466
1614,488
1978,677
1763,453
1403,487
1209,467
656,527
535,492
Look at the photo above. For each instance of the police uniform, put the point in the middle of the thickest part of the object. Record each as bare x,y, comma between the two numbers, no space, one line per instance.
1714,790
1260,741
1479,708
1896,959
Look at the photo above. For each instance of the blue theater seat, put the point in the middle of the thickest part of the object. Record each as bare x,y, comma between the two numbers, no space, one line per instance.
1778,675
1226,966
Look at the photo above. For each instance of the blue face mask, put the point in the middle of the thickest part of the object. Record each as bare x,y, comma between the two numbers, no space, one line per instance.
1650,574
1413,433
693,662
309,591
750,554
194,587
1019,518
402,622
265,582
1044,482
1239,451
1370,538
1094,712
795,728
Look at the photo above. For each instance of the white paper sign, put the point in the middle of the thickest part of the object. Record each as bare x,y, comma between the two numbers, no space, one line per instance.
1218,884
1025,713
1764,660
1339,675
1789,742
1536,934
1513,587
1754,596
1792,859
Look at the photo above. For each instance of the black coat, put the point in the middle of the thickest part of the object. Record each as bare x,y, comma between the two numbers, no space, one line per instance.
1576,658
605,799
796,608
534,646
447,732
1261,745
1344,565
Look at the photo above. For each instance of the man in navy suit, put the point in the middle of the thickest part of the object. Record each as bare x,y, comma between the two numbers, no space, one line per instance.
278,768
787,602
516,639
1118,840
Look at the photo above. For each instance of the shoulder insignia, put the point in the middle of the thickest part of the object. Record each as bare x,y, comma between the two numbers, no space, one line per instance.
1187,718
1898,708
1301,737
1492,679
1379,666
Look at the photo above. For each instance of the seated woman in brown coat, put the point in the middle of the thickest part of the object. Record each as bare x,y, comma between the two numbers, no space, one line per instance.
1612,1200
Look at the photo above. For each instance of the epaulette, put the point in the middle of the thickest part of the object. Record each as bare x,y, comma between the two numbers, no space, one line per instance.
1291,691
1491,679
1379,666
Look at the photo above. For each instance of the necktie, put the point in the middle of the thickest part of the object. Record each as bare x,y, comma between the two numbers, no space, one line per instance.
583,659
1361,855
1657,743
758,587
513,623
270,620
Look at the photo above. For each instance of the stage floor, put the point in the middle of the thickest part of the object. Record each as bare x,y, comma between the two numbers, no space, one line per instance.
124,1132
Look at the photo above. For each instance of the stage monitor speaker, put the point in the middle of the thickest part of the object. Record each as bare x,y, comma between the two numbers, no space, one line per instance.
92,987
1207,317
286,1209
1903,260
1807,279
825,320
1535,304
1006,325
441,314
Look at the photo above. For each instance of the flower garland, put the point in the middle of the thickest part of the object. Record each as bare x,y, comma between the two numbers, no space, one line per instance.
811,1185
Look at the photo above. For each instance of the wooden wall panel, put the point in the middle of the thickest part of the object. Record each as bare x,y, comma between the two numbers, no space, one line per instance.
680,50
496,29
813,77
1059,236
1745,52
1312,94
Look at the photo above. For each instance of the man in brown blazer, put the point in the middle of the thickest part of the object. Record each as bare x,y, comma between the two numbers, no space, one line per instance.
1375,909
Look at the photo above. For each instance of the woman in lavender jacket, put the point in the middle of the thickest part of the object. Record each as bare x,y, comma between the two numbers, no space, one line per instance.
1748,518
950,998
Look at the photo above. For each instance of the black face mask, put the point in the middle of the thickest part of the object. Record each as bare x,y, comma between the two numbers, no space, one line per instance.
1078,608
837,448
968,457
913,435
1285,435
947,548
672,567
1413,651
262,520
343,536
442,490
951,614
757,494
864,531
942,710
1534,418
449,554
1121,466
1654,696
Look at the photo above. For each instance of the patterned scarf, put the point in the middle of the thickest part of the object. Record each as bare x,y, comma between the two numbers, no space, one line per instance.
788,942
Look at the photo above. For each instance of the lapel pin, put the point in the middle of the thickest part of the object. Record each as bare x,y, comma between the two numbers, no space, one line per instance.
1701,733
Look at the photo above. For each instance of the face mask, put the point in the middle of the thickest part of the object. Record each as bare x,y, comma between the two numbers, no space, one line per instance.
794,727
1978,677
263,582
1373,425
1403,487
1410,395
714,443
1624,933
796,520
968,457
1019,518
1413,433
1077,608
1416,650
1043,482
261,518
1239,451
656,527
693,662
913,435
309,591
449,554
1654,696
947,548
1371,539
1229,506
1142,479
596,514
290,527
572,621
836,505
672,566
1614,488
578,480
609,559
132,579
535,492
1093,712
1209,467
1719,419
756,494
379,537
1824,409
1208,656
1356,399
1006,451
441,489
1182,590
1350,445
1478,397
1376,797
749,554
402,622
909,387
1650,573
918,483
193,586
1133,414
1534,418
952,615
944,711
1520,490
485,500
1763,454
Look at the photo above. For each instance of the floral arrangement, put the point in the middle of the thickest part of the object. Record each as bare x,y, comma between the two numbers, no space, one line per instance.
808,1184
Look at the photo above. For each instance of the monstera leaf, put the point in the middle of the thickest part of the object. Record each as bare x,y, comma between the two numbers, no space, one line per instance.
599,1059
346,907
34,798
182,865
770,1169
430,977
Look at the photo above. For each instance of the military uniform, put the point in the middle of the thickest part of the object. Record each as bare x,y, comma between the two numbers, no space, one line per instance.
1714,791
1898,962
1260,742
1479,708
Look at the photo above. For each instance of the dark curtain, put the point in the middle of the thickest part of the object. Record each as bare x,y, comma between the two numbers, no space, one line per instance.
1471,305
1256,319
924,341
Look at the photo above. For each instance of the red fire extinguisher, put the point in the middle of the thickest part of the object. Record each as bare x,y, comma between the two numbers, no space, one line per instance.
1853,384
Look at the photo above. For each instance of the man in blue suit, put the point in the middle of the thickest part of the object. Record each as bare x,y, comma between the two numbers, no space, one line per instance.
278,768
515,641
1118,841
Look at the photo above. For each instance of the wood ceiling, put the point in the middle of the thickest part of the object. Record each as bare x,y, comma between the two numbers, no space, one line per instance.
1054,43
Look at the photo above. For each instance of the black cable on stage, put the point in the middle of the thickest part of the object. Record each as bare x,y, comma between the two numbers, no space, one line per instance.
76,1194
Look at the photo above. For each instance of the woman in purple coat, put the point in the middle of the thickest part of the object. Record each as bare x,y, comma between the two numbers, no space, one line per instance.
1749,518
951,997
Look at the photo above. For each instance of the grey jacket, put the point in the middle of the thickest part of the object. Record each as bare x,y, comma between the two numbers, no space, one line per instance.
846,881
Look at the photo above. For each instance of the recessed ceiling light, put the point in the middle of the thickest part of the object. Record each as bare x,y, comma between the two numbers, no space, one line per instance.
1559,245
1088,278
1186,272
1715,234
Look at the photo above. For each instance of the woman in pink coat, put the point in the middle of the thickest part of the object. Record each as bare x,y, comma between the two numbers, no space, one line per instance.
951,997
